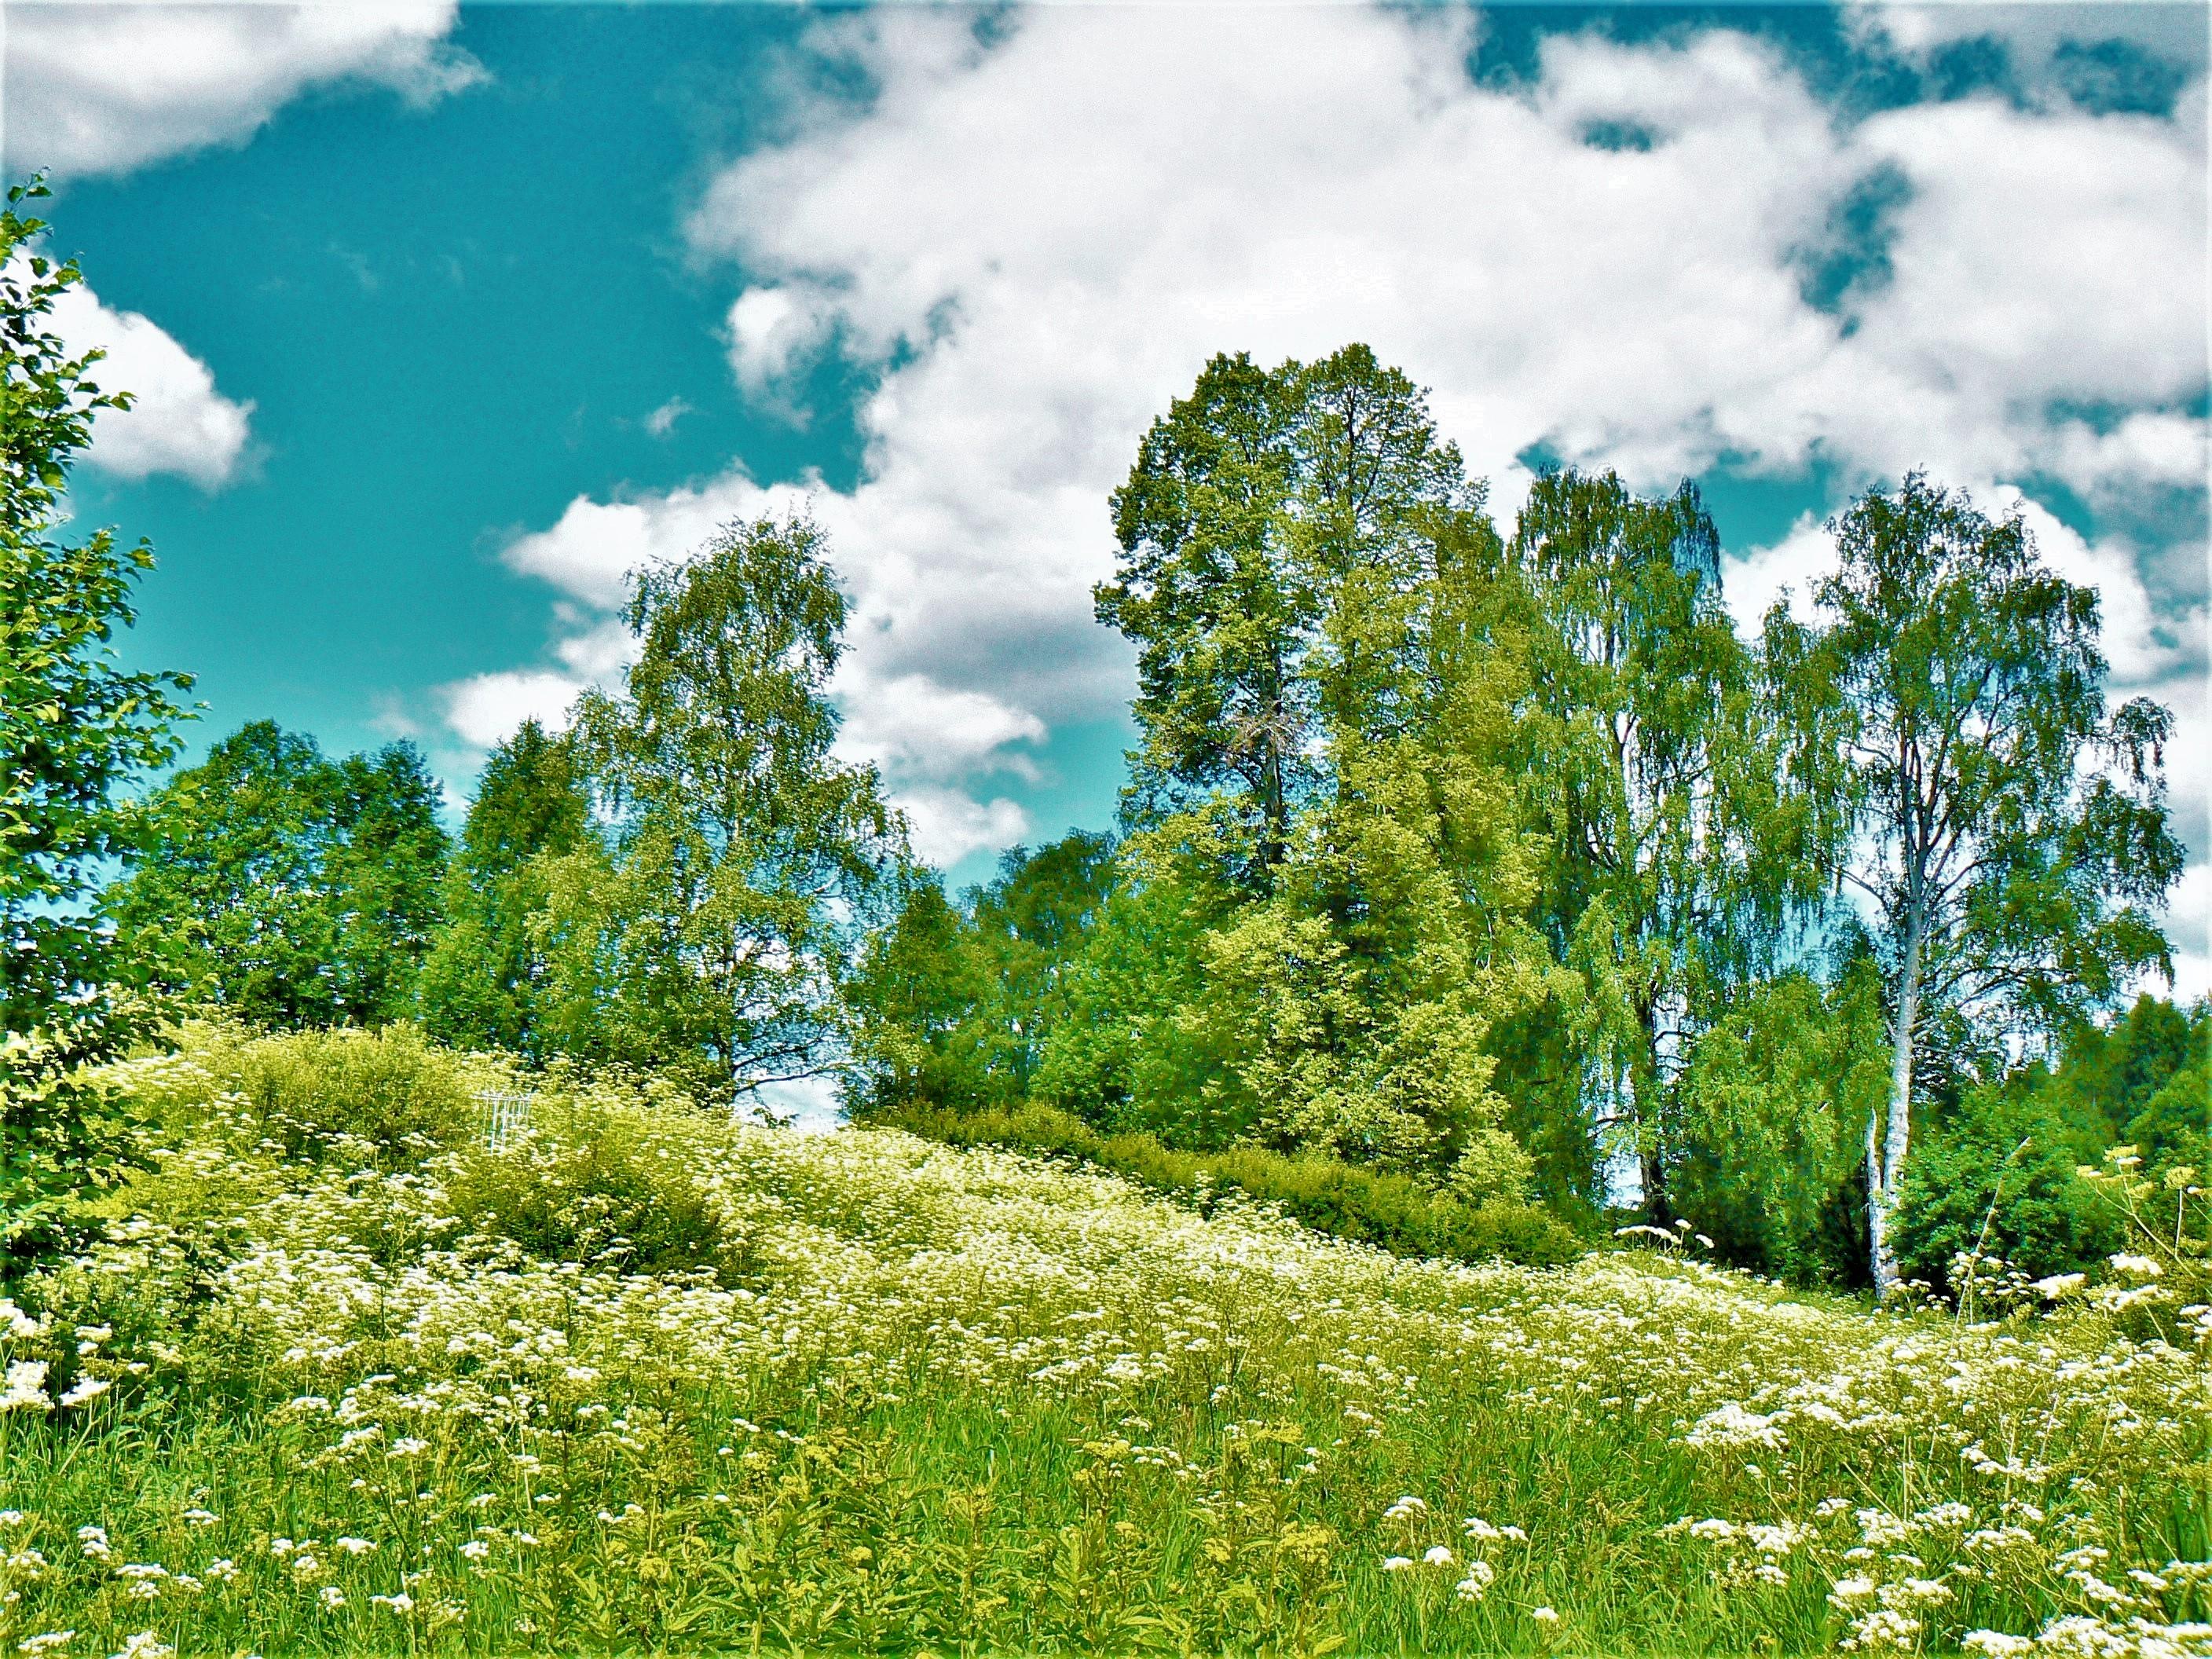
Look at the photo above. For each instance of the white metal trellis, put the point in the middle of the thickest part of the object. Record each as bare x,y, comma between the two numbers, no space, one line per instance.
505,1116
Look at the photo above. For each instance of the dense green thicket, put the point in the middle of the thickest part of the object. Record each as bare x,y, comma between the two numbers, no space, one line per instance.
1401,1215
1999,1177
286,888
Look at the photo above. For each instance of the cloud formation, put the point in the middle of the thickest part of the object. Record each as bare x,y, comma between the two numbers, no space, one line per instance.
1659,257
489,708
101,89
178,421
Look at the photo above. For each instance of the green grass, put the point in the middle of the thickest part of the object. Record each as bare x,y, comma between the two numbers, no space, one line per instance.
647,1380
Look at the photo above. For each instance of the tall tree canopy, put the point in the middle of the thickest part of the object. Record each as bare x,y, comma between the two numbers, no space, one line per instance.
1325,873
75,726
1647,756
1252,504
2010,832
709,930
287,888
485,981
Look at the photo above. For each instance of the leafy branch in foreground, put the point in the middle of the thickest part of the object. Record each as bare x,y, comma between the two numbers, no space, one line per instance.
74,726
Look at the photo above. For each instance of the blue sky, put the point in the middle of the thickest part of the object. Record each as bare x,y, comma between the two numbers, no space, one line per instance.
442,318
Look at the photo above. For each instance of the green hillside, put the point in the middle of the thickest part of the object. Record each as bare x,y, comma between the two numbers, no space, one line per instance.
346,1378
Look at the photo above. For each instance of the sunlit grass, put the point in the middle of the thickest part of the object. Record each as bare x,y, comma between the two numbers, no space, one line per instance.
648,1379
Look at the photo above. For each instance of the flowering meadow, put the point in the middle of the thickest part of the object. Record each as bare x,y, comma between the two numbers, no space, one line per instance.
347,1377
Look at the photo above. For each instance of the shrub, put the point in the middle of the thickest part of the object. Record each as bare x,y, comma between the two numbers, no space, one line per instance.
390,1091
593,1180
1394,1211
2001,1179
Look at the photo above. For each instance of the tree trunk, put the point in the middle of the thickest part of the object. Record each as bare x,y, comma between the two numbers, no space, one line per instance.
1886,1143
1649,1146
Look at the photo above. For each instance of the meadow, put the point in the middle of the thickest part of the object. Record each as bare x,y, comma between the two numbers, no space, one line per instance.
347,1376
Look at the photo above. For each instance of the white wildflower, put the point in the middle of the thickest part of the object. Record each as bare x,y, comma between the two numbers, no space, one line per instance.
1734,1425
1479,1578
24,1387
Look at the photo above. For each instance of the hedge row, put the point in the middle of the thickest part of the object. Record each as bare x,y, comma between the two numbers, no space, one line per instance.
1327,1194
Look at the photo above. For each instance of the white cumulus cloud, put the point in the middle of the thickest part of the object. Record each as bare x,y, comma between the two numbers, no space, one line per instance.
95,89
487,710
178,422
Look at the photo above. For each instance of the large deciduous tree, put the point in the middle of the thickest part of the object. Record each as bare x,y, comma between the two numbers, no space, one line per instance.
1326,875
1254,504
708,930
286,888
74,727
2010,832
1647,758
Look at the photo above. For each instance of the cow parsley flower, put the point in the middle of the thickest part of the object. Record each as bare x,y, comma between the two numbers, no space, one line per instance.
24,1387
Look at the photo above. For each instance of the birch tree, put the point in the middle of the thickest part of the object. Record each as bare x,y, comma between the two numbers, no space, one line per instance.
1643,755
707,928
2010,843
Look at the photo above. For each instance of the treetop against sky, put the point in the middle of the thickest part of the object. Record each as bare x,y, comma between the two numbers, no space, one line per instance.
441,319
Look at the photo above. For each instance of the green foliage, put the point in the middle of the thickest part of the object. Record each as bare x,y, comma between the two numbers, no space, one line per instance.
2138,1079
584,1184
957,1008
1769,1116
288,888
74,728
388,1097
1257,505
1325,878
2012,836
1649,759
1999,1183
484,982
2174,1128
707,934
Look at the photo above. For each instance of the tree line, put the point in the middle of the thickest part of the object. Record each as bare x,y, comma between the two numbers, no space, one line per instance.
1490,861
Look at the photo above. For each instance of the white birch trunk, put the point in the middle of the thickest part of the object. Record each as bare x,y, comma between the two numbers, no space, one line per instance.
1887,1143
